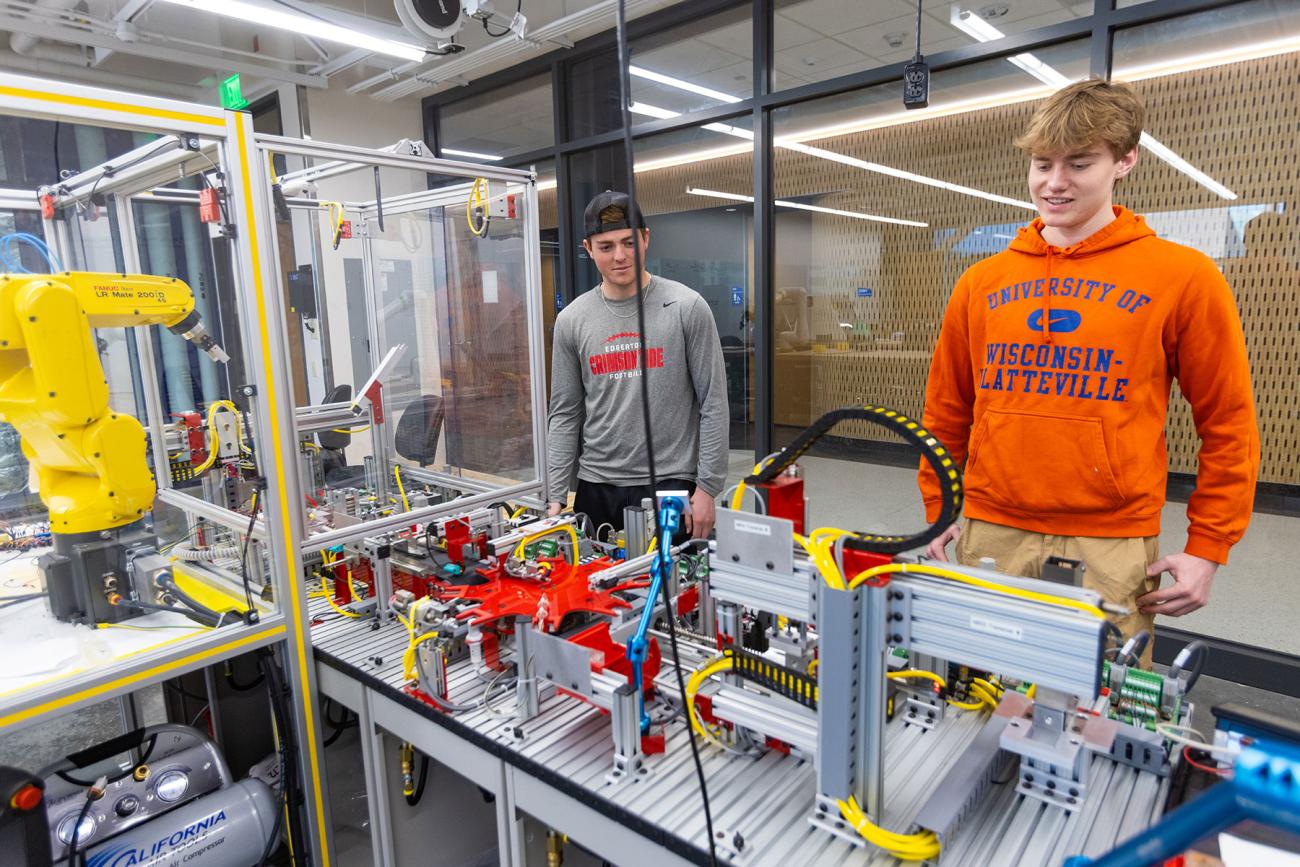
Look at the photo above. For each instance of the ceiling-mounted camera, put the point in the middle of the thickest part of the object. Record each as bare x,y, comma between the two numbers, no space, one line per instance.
431,19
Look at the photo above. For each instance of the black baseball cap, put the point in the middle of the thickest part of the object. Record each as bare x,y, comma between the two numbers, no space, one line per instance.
610,199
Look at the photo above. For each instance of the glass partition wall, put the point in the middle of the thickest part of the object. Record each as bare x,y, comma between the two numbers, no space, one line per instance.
412,301
772,134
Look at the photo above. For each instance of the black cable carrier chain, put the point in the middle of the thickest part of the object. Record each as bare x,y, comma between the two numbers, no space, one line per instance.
934,452
795,685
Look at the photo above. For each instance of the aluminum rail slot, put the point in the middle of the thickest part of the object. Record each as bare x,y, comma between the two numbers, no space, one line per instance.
133,178
446,480
338,167
1046,644
415,516
1036,585
511,540
635,566
212,512
326,416
769,714
353,159
422,198
788,595
18,200
474,486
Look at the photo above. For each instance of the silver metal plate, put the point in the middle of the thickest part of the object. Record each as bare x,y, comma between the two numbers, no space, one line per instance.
563,663
756,541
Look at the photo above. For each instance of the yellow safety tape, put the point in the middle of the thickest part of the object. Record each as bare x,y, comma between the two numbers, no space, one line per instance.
217,598
147,674
295,598
108,105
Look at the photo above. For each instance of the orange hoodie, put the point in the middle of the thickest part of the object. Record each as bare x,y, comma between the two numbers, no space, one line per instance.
1051,380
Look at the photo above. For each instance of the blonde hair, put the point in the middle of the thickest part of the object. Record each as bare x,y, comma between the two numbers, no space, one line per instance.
1085,114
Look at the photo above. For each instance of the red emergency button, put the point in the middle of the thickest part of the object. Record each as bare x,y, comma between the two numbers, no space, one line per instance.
26,799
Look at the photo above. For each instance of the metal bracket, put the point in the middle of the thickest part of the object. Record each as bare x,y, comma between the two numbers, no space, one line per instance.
1055,750
899,616
625,725
826,816
921,710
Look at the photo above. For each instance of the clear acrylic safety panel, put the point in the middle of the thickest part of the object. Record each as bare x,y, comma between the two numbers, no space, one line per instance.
388,263
140,216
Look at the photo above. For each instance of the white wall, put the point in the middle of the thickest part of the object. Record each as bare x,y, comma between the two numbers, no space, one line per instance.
336,116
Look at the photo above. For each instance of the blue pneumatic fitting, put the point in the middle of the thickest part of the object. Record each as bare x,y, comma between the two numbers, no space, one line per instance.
670,518
1265,786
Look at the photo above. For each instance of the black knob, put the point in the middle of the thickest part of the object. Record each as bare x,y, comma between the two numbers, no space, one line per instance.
126,805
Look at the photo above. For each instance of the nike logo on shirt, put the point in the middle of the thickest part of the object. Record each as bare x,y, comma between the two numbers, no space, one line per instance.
667,303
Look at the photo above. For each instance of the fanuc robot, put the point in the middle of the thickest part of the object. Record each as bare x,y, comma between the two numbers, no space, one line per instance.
89,461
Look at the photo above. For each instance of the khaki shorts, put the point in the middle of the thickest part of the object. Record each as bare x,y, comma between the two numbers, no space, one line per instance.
1115,568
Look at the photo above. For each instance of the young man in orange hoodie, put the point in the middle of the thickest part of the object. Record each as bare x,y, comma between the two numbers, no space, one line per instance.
1052,373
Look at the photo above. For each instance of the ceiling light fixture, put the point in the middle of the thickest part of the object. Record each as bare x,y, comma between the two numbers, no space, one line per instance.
822,153
652,111
641,72
982,31
471,154
736,197
904,175
304,25
1193,62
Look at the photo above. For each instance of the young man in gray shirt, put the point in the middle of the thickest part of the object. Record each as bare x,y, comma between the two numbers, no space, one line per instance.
596,424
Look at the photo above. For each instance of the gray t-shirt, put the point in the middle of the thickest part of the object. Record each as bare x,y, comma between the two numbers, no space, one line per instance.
596,418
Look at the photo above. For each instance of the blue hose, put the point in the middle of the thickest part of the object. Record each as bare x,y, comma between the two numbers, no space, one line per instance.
11,257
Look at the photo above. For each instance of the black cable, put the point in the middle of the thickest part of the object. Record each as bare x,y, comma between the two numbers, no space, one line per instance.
242,687
200,617
168,583
338,726
634,221
76,832
519,7
413,799
1196,650
58,163
428,543
918,28
184,693
258,494
288,770
7,601
1115,632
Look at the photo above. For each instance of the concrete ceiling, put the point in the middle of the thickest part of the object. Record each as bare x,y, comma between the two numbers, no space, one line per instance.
171,50
185,51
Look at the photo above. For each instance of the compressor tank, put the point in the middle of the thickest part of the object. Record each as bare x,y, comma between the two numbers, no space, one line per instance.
227,828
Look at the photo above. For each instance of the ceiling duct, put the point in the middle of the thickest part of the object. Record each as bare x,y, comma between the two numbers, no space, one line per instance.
27,45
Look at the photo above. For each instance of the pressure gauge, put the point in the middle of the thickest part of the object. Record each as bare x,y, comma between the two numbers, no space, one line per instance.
84,831
171,786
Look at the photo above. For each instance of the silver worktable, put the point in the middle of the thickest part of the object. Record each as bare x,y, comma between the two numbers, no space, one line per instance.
554,768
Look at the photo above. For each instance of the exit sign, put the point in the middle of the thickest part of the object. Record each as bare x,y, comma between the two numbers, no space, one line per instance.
232,96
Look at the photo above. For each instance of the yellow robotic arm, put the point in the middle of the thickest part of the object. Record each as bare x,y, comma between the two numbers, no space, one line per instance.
89,460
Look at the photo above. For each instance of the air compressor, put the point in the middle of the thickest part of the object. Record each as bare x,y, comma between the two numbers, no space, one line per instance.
172,803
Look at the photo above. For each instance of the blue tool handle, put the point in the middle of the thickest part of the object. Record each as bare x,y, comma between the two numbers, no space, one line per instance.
1265,787
669,520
